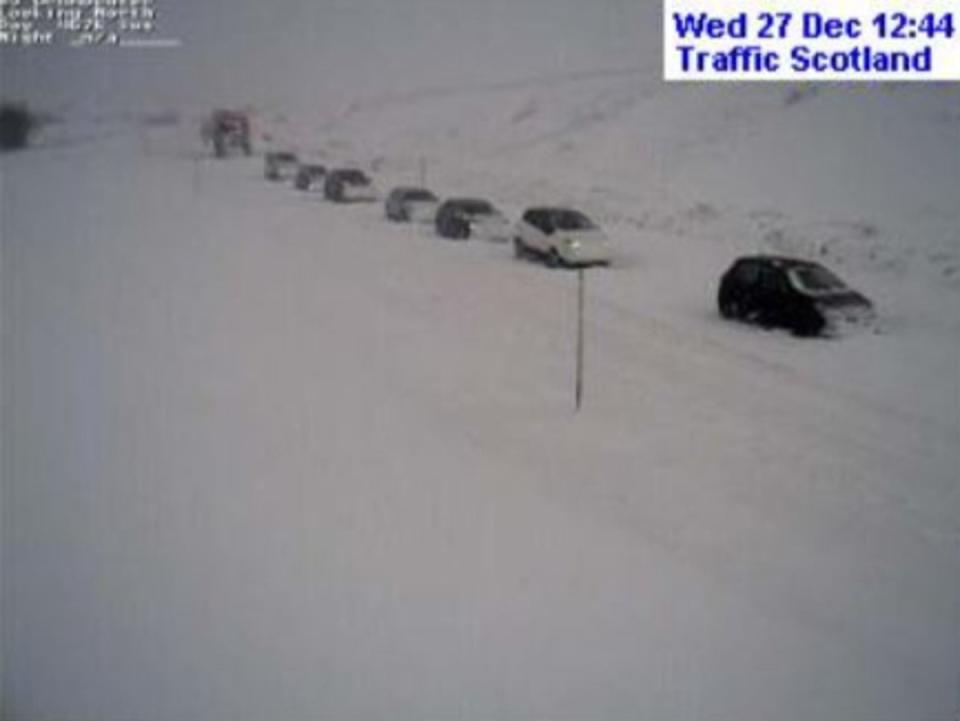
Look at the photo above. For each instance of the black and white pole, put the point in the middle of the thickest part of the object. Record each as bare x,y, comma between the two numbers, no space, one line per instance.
578,387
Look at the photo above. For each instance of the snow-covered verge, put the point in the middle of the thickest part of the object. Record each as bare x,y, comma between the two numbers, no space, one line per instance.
264,457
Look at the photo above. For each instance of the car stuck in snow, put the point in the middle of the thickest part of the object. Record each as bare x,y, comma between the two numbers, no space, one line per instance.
799,295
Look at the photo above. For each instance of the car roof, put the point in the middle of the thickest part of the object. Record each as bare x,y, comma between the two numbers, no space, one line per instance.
468,201
552,209
780,261
407,189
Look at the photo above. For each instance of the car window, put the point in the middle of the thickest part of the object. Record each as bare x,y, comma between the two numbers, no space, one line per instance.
771,278
815,279
539,219
747,273
572,220
354,177
475,207
418,194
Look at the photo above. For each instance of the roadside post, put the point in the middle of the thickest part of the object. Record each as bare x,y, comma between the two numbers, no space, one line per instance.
578,383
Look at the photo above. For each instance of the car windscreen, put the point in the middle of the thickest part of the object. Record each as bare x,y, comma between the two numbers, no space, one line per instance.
572,220
475,207
815,279
418,195
285,158
354,177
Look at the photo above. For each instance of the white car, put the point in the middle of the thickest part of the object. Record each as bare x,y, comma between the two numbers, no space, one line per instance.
562,237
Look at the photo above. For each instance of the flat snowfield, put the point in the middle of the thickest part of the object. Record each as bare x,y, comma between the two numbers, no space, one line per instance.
265,457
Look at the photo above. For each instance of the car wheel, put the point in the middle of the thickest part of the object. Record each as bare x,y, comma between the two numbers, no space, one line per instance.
519,249
728,309
554,260
808,326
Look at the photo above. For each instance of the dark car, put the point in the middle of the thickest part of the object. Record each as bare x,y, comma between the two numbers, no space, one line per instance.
348,184
461,218
799,295
405,204
308,174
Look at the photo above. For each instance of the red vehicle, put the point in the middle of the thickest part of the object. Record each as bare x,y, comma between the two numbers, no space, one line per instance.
227,130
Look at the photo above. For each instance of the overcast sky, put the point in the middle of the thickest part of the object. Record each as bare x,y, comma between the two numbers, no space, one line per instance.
308,51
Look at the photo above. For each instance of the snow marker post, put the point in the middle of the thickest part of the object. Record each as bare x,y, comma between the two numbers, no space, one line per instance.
578,388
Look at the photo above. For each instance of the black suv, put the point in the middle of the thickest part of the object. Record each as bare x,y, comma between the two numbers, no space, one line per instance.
799,295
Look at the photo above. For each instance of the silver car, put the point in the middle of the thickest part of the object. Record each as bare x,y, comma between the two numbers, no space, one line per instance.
411,205
279,165
462,218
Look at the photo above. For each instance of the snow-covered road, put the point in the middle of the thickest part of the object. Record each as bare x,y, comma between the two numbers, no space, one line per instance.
265,457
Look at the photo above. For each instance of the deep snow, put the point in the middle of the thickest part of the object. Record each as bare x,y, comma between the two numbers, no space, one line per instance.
264,457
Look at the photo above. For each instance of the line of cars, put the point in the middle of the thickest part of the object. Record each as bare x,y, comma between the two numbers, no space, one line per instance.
771,291
559,236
